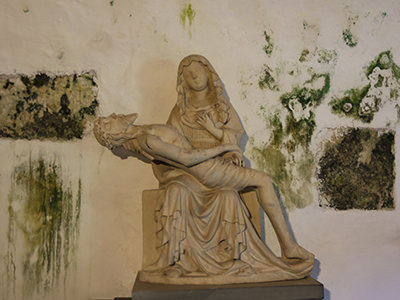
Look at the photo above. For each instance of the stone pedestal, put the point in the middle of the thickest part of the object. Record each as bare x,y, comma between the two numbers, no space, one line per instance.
303,289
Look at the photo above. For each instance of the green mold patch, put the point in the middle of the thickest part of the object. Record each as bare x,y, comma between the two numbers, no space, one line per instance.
293,179
187,13
384,61
267,80
349,39
305,55
349,105
383,88
269,46
326,56
287,157
44,213
356,170
310,95
46,107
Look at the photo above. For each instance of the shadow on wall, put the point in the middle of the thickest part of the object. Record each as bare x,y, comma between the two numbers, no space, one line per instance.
157,85
315,274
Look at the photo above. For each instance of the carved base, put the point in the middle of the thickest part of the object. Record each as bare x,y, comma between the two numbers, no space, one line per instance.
302,289
151,277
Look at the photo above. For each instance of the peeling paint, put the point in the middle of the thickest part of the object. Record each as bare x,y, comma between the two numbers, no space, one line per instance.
383,88
356,170
287,157
42,106
44,213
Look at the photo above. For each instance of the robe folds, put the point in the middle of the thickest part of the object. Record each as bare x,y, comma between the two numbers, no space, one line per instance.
204,230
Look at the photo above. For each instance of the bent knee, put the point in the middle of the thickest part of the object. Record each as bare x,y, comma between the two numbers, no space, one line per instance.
175,189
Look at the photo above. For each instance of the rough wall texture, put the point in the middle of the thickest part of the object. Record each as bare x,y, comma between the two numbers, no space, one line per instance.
356,170
43,106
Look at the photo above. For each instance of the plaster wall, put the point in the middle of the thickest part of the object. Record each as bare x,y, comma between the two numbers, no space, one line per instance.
134,48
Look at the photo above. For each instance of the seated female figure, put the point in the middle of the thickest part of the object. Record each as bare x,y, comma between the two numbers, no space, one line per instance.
227,247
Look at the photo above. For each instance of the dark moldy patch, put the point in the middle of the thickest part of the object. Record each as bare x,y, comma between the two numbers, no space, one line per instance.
307,96
305,55
300,129
43,106
44,214
40,80
267,80
356,170
352,104
349,39
349,105
269,47
384,61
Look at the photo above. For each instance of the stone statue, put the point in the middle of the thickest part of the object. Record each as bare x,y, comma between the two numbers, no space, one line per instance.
205,232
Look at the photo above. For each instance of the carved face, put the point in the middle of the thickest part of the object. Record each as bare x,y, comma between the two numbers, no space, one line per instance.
196,76
113,124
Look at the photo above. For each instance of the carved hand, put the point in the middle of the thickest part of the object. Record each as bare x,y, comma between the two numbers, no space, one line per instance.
235,157
204,120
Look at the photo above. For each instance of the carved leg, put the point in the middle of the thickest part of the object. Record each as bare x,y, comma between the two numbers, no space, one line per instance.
270,204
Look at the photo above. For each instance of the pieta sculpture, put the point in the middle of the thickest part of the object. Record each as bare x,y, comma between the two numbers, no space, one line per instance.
204,229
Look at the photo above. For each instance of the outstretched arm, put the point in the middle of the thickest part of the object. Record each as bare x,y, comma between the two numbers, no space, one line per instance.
167,152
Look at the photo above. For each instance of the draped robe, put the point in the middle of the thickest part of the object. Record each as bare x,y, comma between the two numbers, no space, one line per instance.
204,228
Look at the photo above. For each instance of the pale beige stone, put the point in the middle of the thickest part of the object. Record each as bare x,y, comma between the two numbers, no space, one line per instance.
149,204
203,233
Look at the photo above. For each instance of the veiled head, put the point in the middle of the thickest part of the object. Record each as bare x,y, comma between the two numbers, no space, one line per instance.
182,86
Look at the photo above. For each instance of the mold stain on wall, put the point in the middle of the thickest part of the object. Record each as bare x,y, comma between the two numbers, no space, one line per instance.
267,79
326,56
287,157
43,106
44,212
383,88
305,55
349,38
187,13
356,170
269,46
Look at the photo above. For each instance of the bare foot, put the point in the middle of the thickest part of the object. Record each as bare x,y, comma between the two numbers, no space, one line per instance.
297,252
